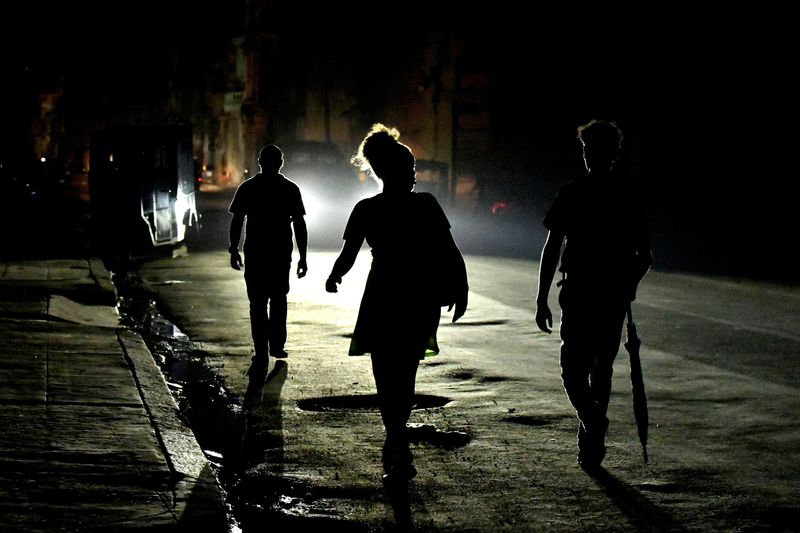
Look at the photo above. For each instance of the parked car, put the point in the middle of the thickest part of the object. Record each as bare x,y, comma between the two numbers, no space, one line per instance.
142,187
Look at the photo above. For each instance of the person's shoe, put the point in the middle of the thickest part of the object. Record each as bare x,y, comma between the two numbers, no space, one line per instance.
591,443
591,458
397,461
279,354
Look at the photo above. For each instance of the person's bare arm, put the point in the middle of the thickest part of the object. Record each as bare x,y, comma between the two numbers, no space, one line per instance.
551,252
234,234
461,294
343,264
301,236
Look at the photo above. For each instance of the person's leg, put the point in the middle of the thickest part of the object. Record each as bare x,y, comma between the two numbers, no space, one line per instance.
277,326
395,376
608,332
259,318
575,370
577,361
605,330
278,308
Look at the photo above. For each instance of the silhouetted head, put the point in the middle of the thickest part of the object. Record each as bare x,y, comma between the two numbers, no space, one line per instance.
601,142
389,160
270,158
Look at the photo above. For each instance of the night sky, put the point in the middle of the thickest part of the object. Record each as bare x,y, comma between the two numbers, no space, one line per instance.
705,97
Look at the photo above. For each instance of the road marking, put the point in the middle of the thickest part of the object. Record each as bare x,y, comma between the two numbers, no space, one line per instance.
722,321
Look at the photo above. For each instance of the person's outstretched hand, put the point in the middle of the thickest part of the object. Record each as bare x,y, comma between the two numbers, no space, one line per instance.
302,268
331,285
236,261
544,318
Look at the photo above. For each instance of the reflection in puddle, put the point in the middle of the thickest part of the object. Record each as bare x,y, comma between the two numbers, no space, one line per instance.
243,438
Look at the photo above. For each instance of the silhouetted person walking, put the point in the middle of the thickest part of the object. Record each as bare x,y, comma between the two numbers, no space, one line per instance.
272,205
606,254
416,269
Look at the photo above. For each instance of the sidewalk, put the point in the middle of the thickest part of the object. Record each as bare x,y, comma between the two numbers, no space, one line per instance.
92,439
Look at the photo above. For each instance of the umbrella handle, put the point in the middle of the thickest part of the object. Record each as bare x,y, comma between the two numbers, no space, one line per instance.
630,314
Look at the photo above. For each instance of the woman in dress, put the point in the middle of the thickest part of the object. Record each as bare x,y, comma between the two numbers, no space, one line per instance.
416,269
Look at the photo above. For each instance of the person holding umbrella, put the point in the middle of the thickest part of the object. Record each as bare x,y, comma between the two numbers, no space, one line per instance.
599,220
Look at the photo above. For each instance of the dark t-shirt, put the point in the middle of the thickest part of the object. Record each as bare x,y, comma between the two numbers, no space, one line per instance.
401,230
269,203
604,225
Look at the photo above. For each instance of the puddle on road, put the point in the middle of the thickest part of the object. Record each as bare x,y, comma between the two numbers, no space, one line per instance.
210,411
256,501
202,398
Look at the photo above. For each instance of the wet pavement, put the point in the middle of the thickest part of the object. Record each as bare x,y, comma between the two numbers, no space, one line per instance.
93,439
494,434
100,405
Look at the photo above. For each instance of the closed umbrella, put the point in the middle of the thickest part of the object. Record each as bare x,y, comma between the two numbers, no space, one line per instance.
632,345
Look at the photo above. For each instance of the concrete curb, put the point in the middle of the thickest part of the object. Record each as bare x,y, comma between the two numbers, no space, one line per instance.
198,498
